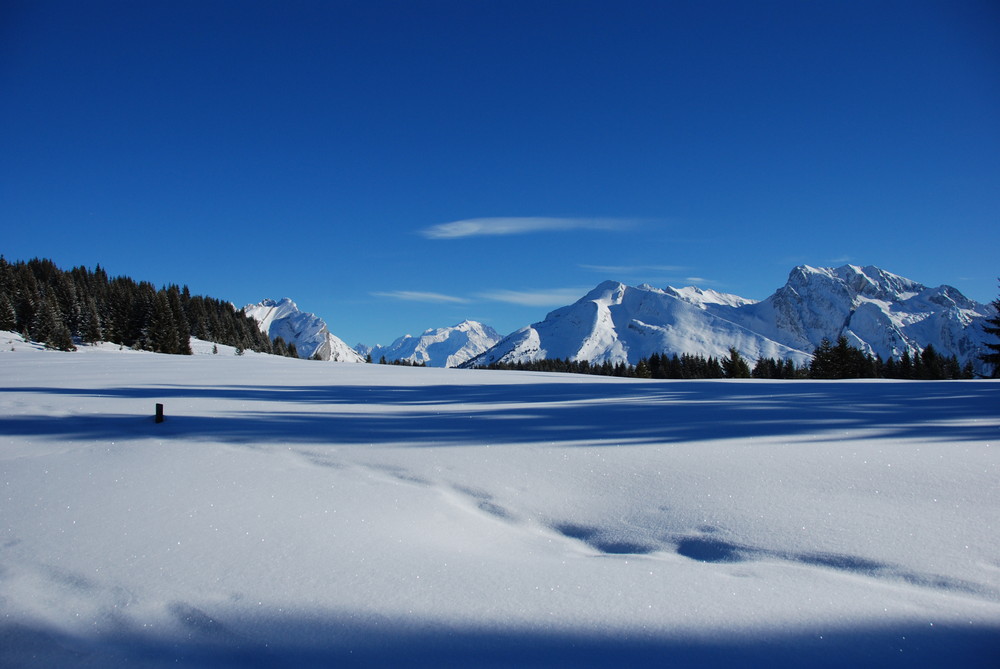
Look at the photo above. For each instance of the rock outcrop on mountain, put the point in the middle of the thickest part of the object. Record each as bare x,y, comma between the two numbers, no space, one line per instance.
309,333
438,347
879,312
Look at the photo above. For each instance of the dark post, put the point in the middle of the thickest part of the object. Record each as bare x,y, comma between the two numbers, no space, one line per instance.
159,413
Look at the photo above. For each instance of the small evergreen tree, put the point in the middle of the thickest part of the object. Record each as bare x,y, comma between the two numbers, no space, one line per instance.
735,367
278,346
905,366
992,327
60,339
823,365
8,317
92,332
932,364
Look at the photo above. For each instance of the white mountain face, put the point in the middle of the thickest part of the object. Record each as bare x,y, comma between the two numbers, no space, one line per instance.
438,347
703,298
879,312
307,331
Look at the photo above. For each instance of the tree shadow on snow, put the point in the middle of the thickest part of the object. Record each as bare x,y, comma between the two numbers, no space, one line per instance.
343,641
550,412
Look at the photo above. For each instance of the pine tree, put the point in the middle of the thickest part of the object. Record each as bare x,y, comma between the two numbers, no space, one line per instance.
60,339
278,346
905,365
161,331
8,317
992,327
823,365
91,332
918,367
49,328
182,339
932,363
735,367
655,364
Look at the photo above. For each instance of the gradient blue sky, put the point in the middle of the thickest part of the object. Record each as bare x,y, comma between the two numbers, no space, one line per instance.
396,166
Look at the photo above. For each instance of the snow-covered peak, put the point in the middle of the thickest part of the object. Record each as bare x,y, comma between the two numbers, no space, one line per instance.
869,282
879,312
440,347
267,311
307,331
607,293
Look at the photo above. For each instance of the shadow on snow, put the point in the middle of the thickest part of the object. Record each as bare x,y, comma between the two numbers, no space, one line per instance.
550,412
204,640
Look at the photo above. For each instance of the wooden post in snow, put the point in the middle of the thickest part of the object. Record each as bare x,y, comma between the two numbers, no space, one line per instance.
159,413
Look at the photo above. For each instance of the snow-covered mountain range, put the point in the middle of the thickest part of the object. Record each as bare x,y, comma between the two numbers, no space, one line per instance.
309,333
438,347
879,312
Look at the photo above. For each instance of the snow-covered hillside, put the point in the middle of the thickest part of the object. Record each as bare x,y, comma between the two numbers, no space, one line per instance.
309,333
394,516
438,347
878,312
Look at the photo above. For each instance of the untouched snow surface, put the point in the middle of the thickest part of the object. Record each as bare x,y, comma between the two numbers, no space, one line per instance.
294,514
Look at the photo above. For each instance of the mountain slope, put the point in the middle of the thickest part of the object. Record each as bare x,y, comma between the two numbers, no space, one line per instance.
307,331
879,312
619,323
440,347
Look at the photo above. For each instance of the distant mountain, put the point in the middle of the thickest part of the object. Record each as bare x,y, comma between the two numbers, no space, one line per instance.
307,331
438,347
879,312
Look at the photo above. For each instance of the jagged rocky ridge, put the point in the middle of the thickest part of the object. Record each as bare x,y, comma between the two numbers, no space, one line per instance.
307,331
438,347
879,312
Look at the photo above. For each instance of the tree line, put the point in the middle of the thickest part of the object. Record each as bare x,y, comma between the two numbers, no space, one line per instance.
829,361
61,308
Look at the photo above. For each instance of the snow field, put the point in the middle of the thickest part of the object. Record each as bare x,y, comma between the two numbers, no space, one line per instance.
292,512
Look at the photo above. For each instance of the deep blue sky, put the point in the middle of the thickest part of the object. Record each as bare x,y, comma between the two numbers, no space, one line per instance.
318,150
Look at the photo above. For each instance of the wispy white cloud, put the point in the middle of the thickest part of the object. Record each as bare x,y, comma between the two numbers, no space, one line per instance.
479,227
554,297
633,269
418,296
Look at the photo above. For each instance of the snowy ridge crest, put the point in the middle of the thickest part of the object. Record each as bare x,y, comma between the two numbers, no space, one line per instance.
879,312
438,347
309,333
